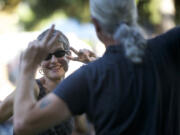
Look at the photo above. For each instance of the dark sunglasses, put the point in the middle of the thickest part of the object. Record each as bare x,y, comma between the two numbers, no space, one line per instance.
57,54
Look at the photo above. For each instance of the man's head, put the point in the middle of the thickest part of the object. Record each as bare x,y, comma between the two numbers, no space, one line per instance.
111,13
116,22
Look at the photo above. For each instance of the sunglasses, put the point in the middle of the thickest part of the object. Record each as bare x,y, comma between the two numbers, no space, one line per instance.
57,54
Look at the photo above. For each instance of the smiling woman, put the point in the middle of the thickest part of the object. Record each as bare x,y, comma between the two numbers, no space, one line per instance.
53,68
55,65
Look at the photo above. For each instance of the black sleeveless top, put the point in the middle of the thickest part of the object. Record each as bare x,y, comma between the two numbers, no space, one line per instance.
64,128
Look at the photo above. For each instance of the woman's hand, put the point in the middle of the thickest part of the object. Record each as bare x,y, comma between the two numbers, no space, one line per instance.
83,55
38,50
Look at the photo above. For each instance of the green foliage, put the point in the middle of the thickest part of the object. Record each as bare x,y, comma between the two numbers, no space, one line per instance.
149,13
35,12
8,5
153,8
143,12
177,15
42,9
137,1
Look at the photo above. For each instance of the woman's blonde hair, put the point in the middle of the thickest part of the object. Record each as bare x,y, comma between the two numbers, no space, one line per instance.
62,38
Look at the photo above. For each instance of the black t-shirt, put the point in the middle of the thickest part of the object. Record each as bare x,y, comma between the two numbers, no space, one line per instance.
122,98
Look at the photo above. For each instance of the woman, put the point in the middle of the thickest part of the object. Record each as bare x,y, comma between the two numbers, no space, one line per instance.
133,89
53,69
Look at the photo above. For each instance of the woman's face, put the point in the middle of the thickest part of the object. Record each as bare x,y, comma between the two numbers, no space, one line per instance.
56,63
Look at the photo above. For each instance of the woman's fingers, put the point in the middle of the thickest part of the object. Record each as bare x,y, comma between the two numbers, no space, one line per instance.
74,50
92,54
87,52
48,35
80,53
72,58
48,42
20,59
53,40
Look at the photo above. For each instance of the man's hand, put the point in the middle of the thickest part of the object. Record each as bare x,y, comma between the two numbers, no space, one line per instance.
83,55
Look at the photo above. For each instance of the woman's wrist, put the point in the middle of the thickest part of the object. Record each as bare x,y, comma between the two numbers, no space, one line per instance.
28,67
89,60
28,70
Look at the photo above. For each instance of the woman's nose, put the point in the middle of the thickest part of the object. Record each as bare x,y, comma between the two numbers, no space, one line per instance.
54,59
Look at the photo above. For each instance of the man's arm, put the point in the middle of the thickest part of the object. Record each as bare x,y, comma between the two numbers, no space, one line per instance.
49,111
30,116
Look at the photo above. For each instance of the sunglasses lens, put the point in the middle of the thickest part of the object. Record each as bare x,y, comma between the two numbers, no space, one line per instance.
59,54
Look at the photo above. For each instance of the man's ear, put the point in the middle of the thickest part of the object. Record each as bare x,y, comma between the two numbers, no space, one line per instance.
96,24
105,38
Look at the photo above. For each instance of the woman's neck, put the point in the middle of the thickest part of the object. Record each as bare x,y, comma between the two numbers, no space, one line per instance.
49,84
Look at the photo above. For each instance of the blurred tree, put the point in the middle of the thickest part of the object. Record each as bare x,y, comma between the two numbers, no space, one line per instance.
167,12
156,14
177,15
144,14
45,8
152,13
8,5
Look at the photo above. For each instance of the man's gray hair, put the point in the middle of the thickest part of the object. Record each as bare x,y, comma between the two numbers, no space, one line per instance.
118,18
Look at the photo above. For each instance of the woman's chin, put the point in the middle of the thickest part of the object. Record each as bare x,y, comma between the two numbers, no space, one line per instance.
56,76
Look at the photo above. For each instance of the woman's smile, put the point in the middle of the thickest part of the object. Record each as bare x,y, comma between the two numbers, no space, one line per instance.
56,68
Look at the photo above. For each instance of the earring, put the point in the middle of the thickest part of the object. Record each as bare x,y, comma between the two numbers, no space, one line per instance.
41,71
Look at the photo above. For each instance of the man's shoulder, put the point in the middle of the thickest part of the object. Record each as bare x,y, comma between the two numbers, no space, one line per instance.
171,33
94,64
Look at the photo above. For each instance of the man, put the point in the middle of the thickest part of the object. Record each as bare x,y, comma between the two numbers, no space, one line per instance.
124,92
